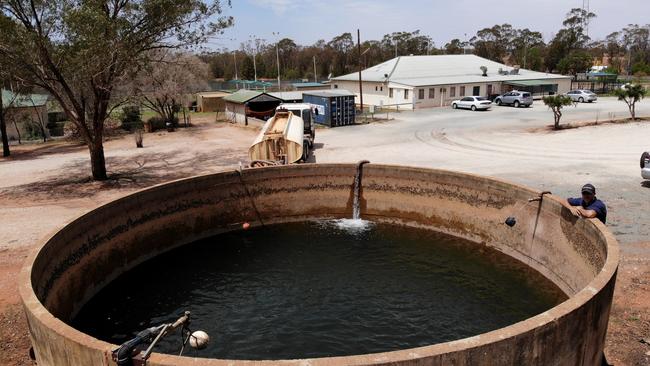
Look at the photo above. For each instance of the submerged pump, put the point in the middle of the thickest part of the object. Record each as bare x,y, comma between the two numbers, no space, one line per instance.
130,354
512,221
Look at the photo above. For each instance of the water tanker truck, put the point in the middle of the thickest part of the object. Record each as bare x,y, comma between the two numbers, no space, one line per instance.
286,138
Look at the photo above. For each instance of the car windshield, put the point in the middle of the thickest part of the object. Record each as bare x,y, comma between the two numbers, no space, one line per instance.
588,92
481,98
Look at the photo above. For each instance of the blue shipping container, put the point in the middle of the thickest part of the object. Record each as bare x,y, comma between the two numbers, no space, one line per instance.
332,108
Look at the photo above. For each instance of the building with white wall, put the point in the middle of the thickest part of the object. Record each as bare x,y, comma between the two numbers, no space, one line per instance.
413,82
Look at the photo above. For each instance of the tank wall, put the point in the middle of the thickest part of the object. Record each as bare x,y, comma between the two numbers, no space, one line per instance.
578,255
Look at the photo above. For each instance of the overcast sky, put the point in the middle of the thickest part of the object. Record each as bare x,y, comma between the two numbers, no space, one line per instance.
307,21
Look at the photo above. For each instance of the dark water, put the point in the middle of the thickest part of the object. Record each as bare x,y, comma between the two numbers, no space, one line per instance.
313,290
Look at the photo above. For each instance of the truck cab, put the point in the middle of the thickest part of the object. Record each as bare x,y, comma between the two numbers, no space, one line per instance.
306,112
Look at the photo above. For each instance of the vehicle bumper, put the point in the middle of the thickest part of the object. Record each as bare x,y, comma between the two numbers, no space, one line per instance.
645,173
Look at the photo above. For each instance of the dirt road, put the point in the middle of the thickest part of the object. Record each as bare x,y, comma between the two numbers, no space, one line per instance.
44,186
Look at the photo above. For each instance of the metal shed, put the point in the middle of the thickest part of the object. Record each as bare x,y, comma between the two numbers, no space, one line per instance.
332,108
248,103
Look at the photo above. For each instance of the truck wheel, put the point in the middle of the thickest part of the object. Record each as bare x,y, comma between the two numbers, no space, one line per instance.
645,156
305,151
516,104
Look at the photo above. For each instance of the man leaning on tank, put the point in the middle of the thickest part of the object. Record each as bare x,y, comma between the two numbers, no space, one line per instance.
588,206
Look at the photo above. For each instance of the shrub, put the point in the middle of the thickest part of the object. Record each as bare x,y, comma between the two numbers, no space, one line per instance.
131,118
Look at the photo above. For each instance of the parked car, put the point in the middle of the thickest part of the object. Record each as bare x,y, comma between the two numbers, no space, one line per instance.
473,103
515,98
645,165
582,96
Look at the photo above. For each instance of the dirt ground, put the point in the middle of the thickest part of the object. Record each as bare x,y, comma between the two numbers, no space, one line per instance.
43,186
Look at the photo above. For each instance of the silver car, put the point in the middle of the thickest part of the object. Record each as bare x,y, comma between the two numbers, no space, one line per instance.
582,96
515,98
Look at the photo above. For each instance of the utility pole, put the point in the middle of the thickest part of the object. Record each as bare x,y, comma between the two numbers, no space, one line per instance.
255,66
465,45
360,65
277,56
234,56
315,75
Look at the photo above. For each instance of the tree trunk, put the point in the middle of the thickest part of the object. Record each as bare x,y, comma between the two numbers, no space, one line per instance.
97,160
633,112
13,119
3,130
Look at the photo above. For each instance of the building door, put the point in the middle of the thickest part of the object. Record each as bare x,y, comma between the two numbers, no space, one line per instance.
443,93
489,90
476,91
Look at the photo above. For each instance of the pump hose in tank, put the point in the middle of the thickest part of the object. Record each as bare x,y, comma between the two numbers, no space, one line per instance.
250,198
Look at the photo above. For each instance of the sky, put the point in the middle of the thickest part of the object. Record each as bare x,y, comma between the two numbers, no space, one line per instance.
306,21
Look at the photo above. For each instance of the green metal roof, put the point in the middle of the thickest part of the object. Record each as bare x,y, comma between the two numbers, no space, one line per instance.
531,82
22,100
242,96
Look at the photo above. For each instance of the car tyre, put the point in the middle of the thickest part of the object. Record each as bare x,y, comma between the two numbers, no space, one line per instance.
498,101
474,108
581,100
454,106
645,156
516,104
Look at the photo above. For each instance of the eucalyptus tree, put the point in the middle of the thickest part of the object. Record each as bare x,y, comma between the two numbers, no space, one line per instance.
82,51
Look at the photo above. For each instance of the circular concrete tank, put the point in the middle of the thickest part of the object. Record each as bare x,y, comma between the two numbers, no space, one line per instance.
579,256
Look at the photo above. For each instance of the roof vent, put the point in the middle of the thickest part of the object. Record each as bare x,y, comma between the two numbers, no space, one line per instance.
515,70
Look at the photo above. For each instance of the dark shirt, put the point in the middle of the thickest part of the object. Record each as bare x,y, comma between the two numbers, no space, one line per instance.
596,205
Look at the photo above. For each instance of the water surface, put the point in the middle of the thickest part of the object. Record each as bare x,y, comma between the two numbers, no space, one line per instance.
317,289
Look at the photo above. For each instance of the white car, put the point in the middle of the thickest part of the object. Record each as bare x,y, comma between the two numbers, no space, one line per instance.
645,165
582,96
473,103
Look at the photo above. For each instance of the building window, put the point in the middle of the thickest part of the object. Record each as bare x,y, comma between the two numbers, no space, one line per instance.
406,93
476,91
432,93
390,92
462,91
452,91
381,88
421,94
376,89
336,86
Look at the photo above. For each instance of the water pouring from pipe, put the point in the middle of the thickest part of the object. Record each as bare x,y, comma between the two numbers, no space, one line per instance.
356,205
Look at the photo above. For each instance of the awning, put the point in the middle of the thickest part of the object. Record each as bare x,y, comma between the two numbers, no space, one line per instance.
531,82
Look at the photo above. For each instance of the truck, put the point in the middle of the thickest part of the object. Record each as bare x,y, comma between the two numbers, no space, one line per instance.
286,138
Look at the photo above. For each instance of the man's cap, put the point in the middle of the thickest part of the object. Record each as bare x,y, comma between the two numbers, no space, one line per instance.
589,188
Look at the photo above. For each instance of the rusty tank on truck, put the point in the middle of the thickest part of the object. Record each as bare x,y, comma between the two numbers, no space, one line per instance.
283,140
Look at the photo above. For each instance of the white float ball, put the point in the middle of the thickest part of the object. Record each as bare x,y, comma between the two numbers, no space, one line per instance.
199,339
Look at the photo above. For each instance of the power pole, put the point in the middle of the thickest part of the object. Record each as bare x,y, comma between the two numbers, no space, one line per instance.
255,66
315,77
360,65
234,56
277,58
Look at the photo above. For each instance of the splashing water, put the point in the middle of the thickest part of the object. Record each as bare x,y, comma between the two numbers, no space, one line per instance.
356,206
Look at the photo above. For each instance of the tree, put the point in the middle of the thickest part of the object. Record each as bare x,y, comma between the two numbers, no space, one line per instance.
575,62
454,47
570,38
163,85
494,43
81,51
556,103
631,94
247,68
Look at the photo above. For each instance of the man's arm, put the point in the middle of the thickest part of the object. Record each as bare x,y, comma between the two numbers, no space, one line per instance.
589,214
574,209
